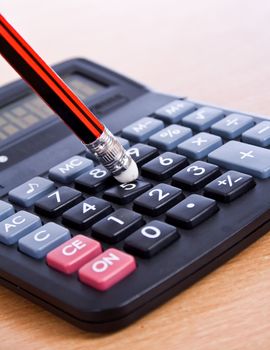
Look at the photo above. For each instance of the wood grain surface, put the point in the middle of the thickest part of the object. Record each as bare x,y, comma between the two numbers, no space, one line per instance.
213,51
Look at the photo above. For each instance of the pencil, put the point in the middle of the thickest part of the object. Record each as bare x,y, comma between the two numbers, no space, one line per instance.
61,99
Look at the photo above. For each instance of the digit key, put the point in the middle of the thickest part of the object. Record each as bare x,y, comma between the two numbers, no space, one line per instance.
107,269
86,213
126,193
157,200
142,153
229,186
117,225
55,203
164,166
195,176
73,254
151,239
192,211
94,180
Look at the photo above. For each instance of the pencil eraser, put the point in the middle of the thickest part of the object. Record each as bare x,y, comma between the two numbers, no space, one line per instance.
130,174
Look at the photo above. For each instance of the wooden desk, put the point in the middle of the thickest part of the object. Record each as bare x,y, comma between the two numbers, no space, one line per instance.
215,51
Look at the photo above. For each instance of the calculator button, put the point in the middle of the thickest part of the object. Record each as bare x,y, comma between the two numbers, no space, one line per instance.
142,129
243,157
195,176
174,111
86,213
141,153
94,180
157,200
258,135
203,118
107,269
6,210
198,146
57,202
126,193
38,243
17,226
164,166
124,142
229,186
73,254
167,139
150,239
192,211
29,192
68,170
117,225
232,126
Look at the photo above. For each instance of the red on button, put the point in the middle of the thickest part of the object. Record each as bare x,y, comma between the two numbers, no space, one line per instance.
107,269
73,254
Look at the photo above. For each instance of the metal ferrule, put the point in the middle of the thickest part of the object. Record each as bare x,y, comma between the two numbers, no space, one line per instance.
110,153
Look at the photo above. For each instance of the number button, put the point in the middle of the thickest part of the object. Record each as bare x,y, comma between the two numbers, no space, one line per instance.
86,213
192,211
107,269
150,239
126,193
29,192
142,153
195,176
55,203
164,166
157,200
117,226
94,181
229,186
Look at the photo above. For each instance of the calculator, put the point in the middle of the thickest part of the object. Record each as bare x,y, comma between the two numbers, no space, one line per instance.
102,254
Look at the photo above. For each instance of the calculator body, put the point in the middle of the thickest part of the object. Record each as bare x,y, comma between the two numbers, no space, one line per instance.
31,152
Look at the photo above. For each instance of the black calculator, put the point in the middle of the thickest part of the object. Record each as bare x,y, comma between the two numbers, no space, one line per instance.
101,254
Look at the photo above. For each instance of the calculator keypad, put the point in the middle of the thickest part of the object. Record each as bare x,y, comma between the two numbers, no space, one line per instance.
179,150
107,269
192,211
29,192
117,226
55,203
40,242
199,146
86,213
74,253
158,200
151,238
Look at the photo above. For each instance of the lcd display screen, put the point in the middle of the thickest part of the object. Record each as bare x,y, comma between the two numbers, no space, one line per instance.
31,110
